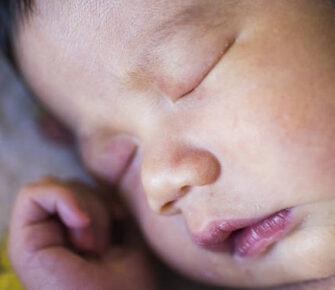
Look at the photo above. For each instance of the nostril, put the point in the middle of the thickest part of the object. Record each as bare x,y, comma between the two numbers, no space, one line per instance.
169,208
183,190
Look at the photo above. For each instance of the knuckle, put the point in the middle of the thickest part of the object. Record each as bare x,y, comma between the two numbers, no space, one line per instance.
44,185
26,191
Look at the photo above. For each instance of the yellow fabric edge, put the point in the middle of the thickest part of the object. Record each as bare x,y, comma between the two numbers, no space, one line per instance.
8,279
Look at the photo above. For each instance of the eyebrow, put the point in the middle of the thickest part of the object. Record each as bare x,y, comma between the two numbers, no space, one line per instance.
201,14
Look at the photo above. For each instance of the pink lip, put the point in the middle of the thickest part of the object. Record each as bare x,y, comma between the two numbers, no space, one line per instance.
244,237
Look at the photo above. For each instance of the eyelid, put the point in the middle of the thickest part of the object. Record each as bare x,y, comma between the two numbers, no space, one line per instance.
208,71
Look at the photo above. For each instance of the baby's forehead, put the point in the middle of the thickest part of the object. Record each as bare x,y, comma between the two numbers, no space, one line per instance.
130,22
170,11
130,35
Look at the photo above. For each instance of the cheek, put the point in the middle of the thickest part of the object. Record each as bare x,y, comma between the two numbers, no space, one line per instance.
297,117
303,126
293,148
278,128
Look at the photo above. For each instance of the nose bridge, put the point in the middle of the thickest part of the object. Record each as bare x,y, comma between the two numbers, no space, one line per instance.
171,170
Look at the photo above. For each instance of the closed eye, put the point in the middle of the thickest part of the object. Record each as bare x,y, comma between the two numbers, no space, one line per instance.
210,68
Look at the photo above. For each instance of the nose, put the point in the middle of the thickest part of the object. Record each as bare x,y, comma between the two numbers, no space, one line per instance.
169,174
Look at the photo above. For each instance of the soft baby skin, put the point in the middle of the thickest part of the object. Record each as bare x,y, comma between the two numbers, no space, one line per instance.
215,118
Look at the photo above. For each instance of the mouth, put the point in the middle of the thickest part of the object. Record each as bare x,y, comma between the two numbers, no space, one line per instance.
245,237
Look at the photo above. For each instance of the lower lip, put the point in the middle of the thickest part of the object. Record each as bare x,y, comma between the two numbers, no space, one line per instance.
250,237
255,239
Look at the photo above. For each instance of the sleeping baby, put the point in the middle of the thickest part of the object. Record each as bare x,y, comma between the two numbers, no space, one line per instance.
212,120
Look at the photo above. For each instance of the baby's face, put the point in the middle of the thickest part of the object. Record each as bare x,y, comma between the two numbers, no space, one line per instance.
216,118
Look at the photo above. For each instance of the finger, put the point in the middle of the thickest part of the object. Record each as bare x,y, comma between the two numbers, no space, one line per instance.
84,217
33,224
47,234
38,203
95,237
105,209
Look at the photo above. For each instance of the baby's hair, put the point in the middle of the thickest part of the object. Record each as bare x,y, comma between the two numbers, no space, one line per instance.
11,13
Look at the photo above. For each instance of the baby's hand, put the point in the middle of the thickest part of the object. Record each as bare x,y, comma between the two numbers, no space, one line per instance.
59,239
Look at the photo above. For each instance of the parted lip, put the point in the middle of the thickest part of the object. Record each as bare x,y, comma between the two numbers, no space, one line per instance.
243,236
216,233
